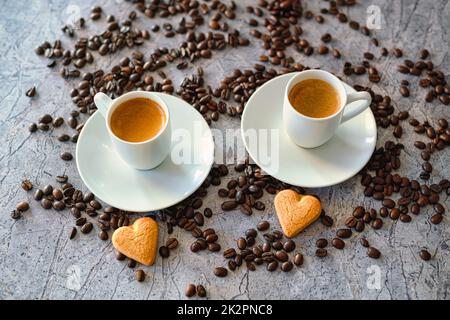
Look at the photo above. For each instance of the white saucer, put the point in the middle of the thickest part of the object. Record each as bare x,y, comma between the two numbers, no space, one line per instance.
334,162
117,184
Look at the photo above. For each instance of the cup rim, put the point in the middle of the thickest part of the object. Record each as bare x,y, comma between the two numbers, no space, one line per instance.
137,94
339,90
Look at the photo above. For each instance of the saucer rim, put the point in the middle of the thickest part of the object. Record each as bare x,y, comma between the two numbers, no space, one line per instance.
339,181
208,166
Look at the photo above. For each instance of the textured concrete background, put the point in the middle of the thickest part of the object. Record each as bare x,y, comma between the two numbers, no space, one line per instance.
36,255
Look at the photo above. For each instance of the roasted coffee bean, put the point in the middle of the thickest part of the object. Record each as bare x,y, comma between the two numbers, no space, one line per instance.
26,185
16,214
139,275
201,291
344,233
22,206
103,235
266,246
436,218
415,209
229,205
321,243
120,256
211,238
321,253
404,91
259,205
425,255
229,253
338,243
359,212
58,122
73,233
384,212
405,218
207,212
164,252
277,245
298,259
364,242
223,193
87,227
66,156
220,272
251,233
376,223
373,253
281,256
326,220
196,246
286,266
388,203
241,243
420,145
48,189
57,194
289,245
427,167
59,205
190,290
394,214
263,225
439,208
272,266
131,263
172,243
31,92
46,204
246,209
214,247
32,127
351,222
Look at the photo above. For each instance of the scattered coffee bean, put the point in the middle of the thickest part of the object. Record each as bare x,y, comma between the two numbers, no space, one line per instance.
321,253
263,225
164,252
73,233
139,275
373,253
86,228
338,243
201,291
321,243
22,206
425,255
220,272
66,156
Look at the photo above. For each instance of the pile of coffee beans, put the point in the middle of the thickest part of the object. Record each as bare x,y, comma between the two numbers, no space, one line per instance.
277,25
272,252
434,78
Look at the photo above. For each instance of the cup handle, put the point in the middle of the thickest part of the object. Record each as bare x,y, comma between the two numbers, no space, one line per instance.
354,111
103,102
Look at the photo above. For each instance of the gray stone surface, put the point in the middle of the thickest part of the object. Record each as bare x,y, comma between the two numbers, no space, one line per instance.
36,256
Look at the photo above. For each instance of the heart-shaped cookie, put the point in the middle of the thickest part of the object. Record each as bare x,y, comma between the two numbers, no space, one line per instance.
139,241
295,211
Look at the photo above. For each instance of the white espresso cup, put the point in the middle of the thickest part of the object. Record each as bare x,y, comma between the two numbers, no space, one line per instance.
308,132
143,155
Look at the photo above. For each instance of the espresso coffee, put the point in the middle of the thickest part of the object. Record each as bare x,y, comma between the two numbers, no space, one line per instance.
137,120
314,98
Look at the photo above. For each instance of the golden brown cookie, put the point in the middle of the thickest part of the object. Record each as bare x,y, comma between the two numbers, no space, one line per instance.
139,241
295,211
